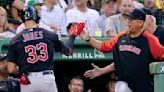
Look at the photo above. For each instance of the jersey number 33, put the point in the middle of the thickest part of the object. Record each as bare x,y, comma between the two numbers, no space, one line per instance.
32,52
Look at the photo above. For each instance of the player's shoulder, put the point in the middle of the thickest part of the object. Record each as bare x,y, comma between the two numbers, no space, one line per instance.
16,38
47,33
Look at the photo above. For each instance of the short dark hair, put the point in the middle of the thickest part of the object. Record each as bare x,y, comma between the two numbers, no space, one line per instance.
76,77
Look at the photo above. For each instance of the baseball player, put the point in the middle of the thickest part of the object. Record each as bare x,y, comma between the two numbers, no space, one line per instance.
7,84
32,50
133,51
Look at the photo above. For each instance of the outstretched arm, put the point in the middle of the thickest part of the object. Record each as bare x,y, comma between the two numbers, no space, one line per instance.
74,31
93,42
96,71
104,46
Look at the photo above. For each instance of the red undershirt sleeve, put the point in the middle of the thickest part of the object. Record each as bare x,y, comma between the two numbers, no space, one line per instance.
156,48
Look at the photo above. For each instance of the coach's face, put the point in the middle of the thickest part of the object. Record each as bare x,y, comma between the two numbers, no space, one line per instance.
134,25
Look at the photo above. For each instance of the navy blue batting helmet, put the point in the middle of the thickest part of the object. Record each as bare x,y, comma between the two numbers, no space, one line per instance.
29,13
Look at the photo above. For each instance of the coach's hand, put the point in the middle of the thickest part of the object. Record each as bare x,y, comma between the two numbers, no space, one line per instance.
94,72
84,35
76,29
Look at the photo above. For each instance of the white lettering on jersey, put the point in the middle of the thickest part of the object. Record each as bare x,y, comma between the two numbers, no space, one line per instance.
130,48
32,36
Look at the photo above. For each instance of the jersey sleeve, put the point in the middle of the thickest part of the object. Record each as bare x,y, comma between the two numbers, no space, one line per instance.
157,50
63,48
59,46
107,46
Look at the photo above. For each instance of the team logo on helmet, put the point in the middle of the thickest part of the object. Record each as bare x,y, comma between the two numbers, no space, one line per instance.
29,13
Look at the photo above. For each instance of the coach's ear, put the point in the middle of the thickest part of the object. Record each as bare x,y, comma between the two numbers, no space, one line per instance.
12,68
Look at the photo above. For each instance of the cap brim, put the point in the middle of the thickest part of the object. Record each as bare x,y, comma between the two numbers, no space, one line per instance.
129,15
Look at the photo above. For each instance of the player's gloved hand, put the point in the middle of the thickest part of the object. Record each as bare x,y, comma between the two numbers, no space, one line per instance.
76,29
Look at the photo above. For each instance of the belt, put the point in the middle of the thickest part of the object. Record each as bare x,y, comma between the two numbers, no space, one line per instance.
46,72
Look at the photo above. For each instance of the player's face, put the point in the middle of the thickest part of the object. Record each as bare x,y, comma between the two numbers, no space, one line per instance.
76,85
126,6
2,18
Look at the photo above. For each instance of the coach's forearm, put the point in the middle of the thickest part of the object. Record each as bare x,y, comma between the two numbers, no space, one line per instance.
94,43
108,69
